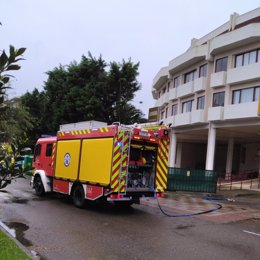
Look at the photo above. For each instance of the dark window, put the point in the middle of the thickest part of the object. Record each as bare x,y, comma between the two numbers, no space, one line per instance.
168,86
48,150
187,106
189,76
201,102
162,114
159,94
166,112
37,151
218,99
164,90
174,109
247,58
245,95
203,70
177,81
221,64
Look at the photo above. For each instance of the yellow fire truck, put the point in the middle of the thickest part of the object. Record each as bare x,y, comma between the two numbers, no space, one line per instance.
115,163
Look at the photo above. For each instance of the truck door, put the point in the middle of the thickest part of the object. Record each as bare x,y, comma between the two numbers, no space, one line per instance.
43,158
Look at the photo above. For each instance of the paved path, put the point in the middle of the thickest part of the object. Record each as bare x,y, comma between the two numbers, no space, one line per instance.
233,209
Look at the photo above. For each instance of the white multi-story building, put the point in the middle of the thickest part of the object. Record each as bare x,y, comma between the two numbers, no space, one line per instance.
209,97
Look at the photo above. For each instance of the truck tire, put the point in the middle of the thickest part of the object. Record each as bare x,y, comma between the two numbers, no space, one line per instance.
38,186
78,196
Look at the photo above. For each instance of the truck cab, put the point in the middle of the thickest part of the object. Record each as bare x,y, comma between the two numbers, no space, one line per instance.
43,162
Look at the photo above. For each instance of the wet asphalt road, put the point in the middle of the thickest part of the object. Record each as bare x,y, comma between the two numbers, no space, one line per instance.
54,228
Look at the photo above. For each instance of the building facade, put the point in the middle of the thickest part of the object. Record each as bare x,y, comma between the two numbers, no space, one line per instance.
209,97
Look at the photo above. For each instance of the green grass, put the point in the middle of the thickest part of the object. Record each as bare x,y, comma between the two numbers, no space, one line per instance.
9,250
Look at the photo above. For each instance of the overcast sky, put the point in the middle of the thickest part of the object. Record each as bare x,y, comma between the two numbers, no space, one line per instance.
151,32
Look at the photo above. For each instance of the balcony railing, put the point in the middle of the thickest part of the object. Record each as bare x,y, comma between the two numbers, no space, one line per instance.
243,74
185,89
200,84
243,110
215,113
218,79
183,119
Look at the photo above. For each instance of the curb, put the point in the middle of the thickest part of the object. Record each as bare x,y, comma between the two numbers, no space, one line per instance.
11,234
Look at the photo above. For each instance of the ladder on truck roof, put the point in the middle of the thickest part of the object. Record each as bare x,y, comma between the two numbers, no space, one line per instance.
125,153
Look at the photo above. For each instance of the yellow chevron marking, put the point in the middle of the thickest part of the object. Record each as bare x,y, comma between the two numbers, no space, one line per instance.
114,184
162,174
101,130
88,131
106,129
84,131
162,181
162,163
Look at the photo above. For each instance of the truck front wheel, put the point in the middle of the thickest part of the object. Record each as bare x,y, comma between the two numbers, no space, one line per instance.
78,196
38,186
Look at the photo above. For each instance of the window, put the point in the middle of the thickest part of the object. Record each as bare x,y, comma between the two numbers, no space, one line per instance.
245,95
218,99
48,150
174,109
187,106
162,115
247,58
201,102
166,112
159,94
37,151
203,70
164,90
168,86
189,76
221,64
177,81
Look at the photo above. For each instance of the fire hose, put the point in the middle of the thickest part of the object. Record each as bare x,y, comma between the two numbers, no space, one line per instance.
219,206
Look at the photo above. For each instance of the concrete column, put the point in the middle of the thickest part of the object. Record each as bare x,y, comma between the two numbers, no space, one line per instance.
173,149
211,148
229,157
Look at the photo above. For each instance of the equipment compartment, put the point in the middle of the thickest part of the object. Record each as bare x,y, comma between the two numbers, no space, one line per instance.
141,169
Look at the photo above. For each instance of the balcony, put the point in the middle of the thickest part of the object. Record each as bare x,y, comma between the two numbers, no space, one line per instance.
198,116
218,79
159,102
240,37
169,120
160,78
172,94
183,119
165,97
200,84
163,100
243,110
243,74
215,113
185,89
191,56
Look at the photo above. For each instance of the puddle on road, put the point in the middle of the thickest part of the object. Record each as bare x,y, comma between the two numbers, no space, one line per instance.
19,228
4,191
180,227
16,200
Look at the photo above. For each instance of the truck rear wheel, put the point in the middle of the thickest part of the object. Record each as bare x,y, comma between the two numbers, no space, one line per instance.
78,196
38,186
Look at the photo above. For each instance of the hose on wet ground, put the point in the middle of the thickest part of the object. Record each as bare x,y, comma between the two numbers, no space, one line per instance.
211,199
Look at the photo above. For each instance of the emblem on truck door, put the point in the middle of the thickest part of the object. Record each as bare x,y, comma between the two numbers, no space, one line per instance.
67,159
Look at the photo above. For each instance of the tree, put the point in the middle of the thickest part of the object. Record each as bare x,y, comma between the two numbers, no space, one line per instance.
88,90
8,63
